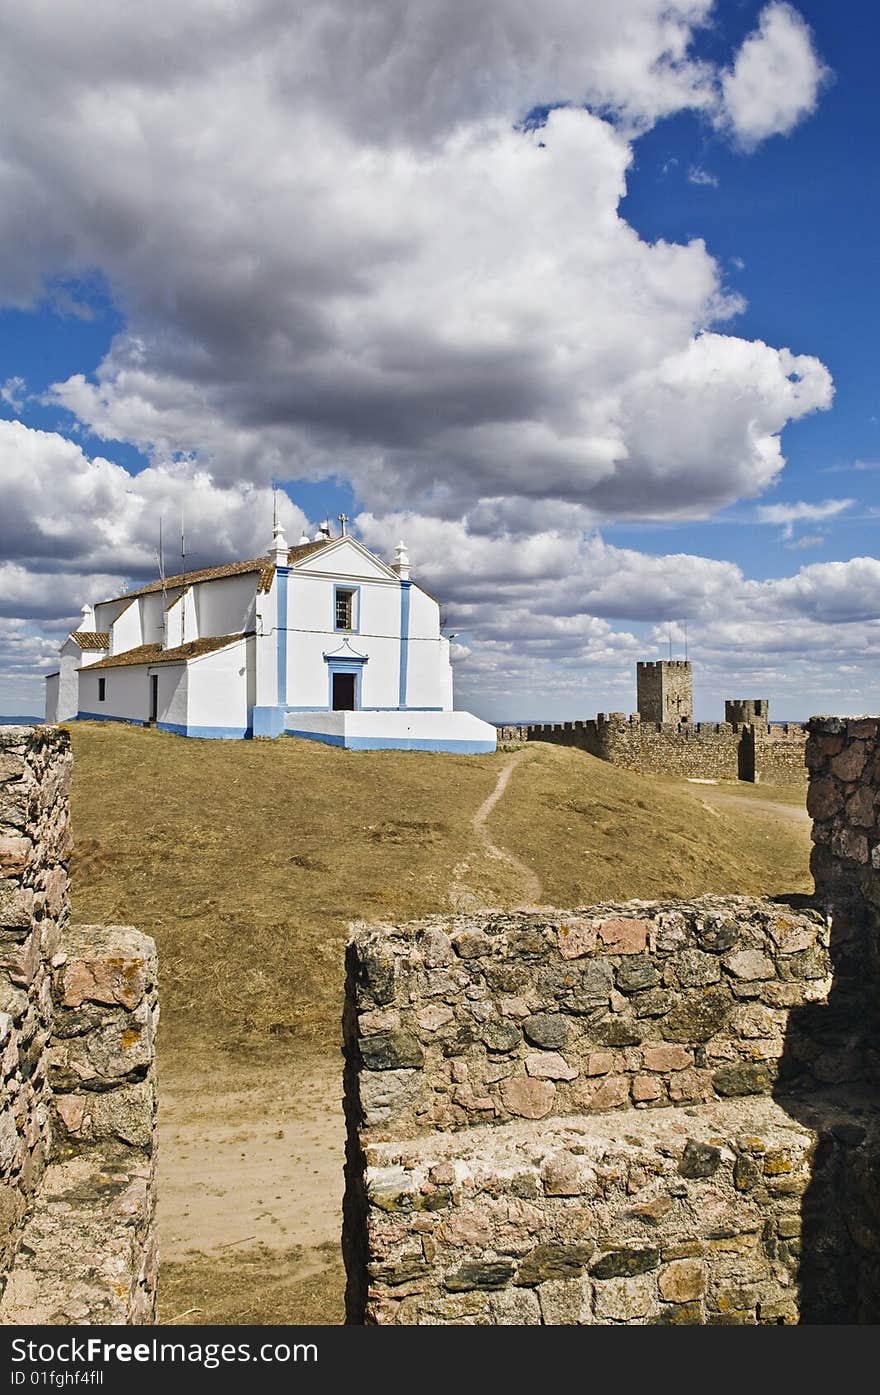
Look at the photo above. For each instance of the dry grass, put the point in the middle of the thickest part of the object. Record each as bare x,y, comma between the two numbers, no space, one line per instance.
595,832
248,861
259,1287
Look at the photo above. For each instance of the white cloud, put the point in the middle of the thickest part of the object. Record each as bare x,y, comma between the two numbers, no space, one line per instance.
359,265
808,540
789,514
697,175
12,393
72,528
337,252
775,79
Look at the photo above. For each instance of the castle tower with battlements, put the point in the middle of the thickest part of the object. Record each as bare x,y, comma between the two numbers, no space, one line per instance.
665,691
745,711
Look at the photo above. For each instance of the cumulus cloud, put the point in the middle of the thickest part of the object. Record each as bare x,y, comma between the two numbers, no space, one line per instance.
563,618
340,248
72,528
364,263
775,79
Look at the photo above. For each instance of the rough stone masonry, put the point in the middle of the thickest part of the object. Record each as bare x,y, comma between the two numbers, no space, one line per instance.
645,1113
78,1015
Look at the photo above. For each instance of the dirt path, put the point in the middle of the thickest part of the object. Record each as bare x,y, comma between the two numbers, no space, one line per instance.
251,1158
727,798
250,1198
463,895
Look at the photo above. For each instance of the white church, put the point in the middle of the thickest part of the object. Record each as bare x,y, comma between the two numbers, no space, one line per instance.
323,640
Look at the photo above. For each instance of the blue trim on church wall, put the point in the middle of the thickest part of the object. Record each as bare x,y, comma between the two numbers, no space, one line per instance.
108,717
404,641
268,721
282,575
403,743
353,666
207,733
175,728
355,608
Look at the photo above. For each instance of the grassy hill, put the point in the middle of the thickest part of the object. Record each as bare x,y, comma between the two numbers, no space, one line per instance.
247,861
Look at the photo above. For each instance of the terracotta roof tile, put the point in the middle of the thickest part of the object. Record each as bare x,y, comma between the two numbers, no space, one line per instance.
263,565
91,639
155,654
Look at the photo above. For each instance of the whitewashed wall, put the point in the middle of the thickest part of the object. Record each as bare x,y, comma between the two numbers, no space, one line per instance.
172,704
218,689
226,606
125,631
52,698
127,693
152,608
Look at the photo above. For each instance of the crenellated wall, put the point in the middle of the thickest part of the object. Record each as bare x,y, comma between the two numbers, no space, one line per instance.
78,1103
696,750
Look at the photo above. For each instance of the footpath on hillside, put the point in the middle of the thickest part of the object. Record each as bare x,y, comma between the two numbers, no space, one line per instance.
464,896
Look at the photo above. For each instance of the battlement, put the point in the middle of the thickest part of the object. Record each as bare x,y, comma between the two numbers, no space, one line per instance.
660,664
752,751
740,711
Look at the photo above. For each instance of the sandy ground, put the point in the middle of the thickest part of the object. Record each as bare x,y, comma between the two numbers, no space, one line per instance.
251,1157
251,1151
788,806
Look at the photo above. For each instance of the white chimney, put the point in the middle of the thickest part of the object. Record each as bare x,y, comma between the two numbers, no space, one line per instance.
401,561
278,552
87,623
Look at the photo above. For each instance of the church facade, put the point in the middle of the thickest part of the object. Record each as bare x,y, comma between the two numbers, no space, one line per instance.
324,640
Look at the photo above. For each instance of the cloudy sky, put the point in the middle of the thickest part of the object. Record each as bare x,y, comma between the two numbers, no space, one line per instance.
577,298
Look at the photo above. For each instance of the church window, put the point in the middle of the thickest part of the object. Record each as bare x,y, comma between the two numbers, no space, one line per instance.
344,609
102,689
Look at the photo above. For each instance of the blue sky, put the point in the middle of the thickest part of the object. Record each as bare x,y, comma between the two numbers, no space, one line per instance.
552,359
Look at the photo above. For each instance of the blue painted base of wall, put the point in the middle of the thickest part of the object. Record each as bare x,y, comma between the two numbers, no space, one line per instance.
108,717
403,743
268,721
176,729
207,733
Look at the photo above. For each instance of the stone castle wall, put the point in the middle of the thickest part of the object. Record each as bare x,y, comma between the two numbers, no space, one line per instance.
34,912
646,1113
664,691
77,1111
696,750
505,1017
571,1119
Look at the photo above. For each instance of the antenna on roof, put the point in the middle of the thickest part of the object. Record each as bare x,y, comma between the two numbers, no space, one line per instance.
160,557
274,506
183,580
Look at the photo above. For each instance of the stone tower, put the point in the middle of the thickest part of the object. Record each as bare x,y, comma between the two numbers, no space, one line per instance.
665,691
743,711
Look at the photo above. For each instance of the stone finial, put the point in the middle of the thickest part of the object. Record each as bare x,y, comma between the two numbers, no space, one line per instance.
304,539
401,561
278,551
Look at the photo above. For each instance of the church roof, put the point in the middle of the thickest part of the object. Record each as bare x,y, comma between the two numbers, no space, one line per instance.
91,639
264,565
155,654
